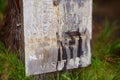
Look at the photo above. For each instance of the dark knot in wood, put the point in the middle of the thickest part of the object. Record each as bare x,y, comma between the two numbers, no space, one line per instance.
55,2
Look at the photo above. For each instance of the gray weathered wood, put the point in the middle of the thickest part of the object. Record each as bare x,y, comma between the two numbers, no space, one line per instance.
63,17
50,25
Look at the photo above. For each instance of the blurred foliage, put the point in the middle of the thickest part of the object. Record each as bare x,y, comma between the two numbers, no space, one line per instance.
3,4
105,63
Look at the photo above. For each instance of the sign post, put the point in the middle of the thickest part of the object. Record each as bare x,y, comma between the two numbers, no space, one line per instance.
57,34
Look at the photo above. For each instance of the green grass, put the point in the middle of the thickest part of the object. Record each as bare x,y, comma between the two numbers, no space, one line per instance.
11,68
105,62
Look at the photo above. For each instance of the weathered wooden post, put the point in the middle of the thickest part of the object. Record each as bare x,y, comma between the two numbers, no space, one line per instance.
55,34
11,33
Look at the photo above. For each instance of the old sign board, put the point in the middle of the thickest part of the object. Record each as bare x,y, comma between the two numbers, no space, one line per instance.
57,34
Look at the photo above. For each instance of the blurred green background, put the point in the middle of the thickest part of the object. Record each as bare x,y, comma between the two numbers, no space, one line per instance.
3,4
105,48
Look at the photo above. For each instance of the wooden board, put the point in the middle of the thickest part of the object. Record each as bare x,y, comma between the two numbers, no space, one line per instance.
57,34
